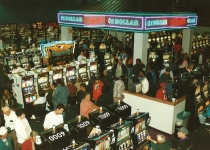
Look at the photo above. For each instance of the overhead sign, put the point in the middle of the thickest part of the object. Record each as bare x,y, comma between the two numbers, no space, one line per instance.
130,22
165,22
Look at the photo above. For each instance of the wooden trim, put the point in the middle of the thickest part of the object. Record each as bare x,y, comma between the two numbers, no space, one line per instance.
157,100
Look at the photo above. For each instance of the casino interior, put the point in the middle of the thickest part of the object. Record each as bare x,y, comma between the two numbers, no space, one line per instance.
47,46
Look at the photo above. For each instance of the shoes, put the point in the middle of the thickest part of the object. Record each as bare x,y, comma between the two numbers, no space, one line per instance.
33,117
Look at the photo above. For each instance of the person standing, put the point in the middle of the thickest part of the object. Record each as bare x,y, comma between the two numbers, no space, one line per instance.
60,94
10,117
119,69
5,142
22,127
119,86
49,96
137,67
81,92
97,89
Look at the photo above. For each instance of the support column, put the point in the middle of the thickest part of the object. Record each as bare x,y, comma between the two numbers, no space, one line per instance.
140,47
187,40
121,37
66,33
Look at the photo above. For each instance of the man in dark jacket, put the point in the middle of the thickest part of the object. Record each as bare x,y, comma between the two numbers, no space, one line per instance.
119,69
137,67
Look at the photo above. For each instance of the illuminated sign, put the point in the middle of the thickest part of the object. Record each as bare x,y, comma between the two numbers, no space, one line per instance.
124,22
67,18
192,20
137,22
165,22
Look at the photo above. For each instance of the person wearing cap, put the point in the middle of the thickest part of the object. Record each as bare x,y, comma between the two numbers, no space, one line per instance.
29,143
162,93
5,142
97,89
184,142
22,126
10,117
163,71
160,144
166,75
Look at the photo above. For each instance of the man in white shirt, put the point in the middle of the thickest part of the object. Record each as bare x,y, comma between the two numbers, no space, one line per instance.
10,117
54,118
144,82
119,86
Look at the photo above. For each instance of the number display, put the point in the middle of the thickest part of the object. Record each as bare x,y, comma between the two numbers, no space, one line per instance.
83,124
104,115
56,136
123,107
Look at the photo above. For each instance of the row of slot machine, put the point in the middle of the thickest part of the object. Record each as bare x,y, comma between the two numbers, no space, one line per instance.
200,40
22,58
27,84
197,99
106,129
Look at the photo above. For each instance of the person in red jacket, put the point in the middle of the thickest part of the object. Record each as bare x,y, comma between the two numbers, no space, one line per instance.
161,93
29,143
97,89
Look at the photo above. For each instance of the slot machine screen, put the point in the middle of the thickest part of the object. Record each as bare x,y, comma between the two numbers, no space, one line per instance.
107,56
24,60
142,136
57,74
27,82
36,58
123,132
140,125
43,78
70,72
82,69
93,66
197,90
205,87
12,61
109,67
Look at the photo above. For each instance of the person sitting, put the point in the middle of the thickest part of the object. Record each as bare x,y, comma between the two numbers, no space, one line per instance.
81,56
5,142
97,89
165,75
137,67
160,144
119,86
203,115
162,93
29,143
184,143
183,67
40,100
54,118
8,100
10,117
190,68
135,86
145,83
86,106
22,126
172,65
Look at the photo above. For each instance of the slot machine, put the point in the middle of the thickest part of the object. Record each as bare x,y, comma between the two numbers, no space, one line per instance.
25,91
42,82
205,90
121,138
153,56
99,140
107,62
102,117
23,60
94,69
77,146
71,74
139,130
9,61
56,73
36,58
57,139
120,109
80,127
166,56
83,74
194,104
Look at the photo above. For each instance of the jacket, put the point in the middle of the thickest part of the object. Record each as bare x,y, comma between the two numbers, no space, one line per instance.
4,147
60,94
124,70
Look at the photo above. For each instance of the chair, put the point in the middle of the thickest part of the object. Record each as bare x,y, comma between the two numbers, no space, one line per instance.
39,111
